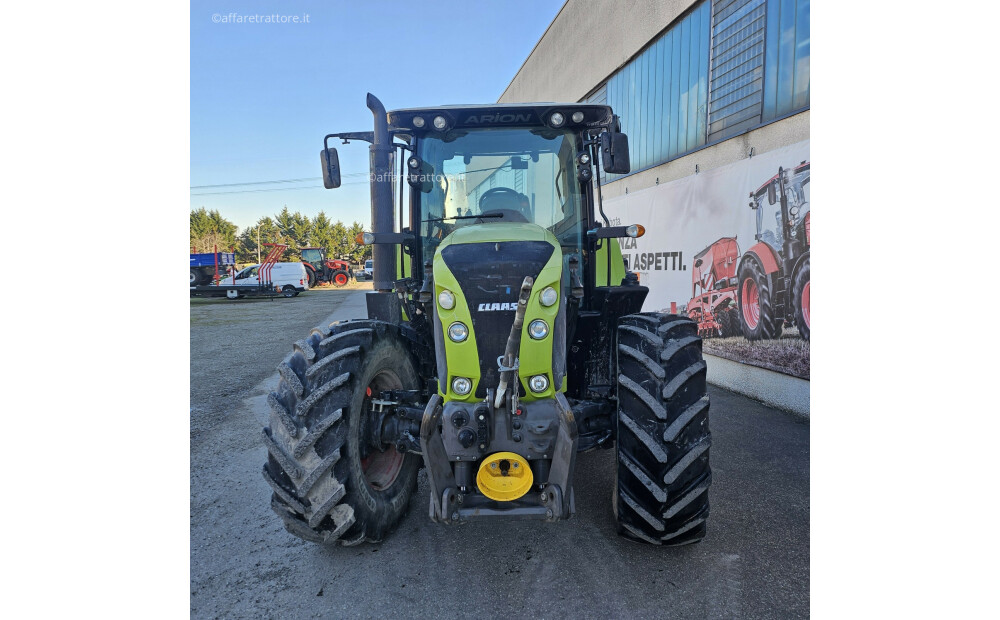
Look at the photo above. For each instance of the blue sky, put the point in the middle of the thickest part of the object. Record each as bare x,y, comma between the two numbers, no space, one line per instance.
263,95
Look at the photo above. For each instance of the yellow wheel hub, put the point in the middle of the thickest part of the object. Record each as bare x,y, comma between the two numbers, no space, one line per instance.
504,476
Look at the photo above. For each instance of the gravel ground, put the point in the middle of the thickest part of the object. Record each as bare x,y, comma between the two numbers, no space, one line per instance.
754,563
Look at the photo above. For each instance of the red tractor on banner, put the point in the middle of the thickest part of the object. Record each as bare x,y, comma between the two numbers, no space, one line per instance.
774,273
713,290
322,270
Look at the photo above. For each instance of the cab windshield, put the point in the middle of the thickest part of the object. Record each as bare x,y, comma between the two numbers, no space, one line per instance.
769,225
500,175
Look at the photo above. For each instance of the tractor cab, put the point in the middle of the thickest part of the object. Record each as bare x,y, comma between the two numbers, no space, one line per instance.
313,256
788,192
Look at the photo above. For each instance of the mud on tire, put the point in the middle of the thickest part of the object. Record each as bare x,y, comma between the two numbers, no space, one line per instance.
315,444
663,437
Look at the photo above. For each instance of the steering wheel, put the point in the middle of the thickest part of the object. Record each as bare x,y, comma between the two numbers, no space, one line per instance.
511,215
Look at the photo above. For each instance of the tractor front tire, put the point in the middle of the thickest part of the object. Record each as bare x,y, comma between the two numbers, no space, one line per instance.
734,321
195,277
312,278
663,438
339,278
757,319
725,324
800,295
331,484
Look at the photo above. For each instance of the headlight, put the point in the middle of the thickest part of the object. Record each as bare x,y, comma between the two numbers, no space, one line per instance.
577,117
461,386
440,123
538,329
557,119
539,383
549,296
583,159
447,300
418,121
458,332
414,163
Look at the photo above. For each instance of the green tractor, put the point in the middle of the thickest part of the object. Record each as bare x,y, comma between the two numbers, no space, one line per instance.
504,335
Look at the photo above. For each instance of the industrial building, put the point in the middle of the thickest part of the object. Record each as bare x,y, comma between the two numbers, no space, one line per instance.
714,96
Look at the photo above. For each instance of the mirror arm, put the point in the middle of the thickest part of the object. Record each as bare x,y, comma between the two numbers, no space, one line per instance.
364,136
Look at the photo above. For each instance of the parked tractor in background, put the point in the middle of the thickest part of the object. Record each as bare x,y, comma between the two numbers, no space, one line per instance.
504,335
713,290
324,270
774,273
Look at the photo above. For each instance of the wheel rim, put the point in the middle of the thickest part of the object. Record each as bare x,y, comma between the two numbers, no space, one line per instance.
193,278
381,467
340,279
805,304
751,303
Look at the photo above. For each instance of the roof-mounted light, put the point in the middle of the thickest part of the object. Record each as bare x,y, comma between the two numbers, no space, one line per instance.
577,116
418,121
440,123
557,119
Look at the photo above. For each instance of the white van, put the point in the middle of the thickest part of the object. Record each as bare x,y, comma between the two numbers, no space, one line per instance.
369,269
289,278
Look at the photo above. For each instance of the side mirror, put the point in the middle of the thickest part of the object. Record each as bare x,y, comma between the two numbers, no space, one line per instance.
331,168
772,193
614,152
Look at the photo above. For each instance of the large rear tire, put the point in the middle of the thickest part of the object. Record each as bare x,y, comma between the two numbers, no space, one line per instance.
663,437
330,483
757,319
800,296
195,277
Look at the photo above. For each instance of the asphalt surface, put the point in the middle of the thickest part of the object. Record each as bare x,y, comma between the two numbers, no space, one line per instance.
754,562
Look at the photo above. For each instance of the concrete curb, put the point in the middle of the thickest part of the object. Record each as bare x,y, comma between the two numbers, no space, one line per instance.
771,388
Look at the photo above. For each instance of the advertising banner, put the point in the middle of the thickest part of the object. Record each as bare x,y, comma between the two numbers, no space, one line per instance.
729,247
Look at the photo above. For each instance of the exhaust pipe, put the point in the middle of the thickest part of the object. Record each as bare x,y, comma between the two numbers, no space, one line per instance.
380,153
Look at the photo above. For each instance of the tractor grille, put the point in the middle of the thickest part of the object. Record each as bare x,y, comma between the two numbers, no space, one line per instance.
492,273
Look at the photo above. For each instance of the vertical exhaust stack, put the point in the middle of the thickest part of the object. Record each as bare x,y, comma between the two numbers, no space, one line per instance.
380,153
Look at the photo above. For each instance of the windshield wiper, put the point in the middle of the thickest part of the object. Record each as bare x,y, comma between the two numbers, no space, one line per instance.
462,217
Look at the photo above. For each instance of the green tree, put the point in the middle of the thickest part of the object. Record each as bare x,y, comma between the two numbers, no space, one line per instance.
339,240
294,231
359,253
246,250
210,230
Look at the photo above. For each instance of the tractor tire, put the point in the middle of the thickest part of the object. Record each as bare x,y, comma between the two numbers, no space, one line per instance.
339,278
757,319
800,297
312,278
663,437
734,321
195,277
725,322
331,484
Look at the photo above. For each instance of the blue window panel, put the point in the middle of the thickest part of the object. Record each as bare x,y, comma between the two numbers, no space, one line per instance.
800,92
738,45
786,70
661,95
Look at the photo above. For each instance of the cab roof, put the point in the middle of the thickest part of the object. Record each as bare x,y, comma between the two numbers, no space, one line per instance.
475,116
